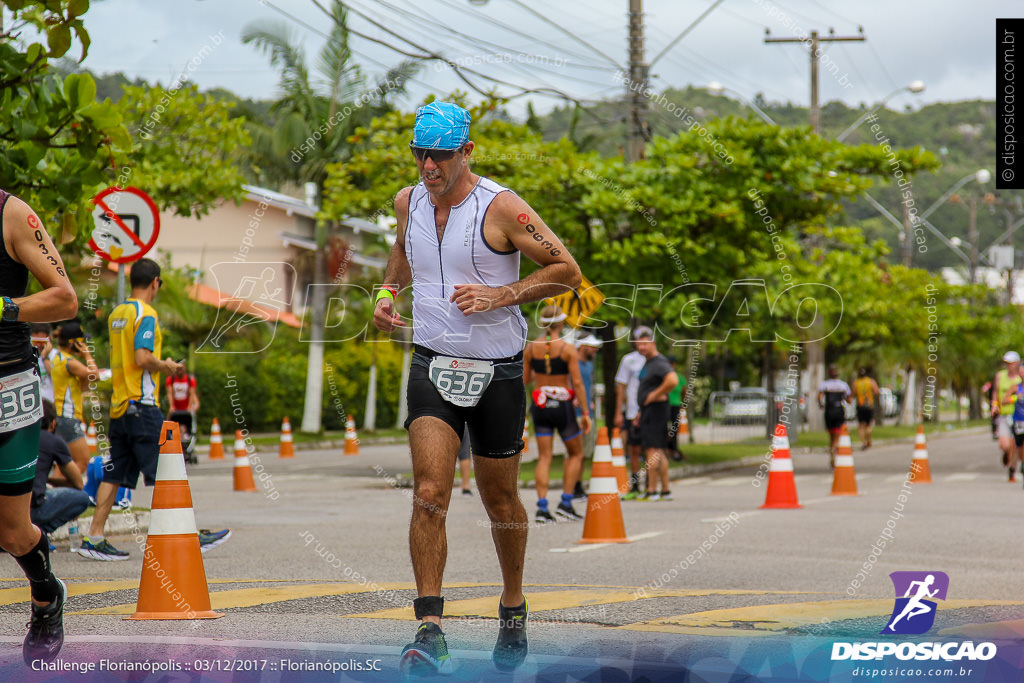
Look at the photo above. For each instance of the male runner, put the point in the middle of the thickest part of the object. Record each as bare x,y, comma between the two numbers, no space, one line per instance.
458,244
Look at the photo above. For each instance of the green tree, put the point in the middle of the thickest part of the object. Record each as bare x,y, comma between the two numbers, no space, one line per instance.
57,143
315,115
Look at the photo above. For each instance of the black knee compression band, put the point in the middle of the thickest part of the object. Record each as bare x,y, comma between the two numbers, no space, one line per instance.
428,606
36,565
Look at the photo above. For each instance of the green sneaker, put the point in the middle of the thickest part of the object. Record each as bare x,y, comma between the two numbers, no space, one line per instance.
426,655
511,649
632,495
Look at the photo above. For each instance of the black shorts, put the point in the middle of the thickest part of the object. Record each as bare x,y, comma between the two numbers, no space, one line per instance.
134,447
1018,438
654,423
555,415
631,432
495,423
834,419
865,414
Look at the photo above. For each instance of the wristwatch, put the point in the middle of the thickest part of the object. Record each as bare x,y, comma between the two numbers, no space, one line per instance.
11,310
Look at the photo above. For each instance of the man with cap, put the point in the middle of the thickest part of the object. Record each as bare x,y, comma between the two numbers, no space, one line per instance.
1004,398
627,381
458,245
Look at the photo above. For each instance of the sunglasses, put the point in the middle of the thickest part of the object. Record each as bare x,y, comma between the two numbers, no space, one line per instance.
159,283
438,155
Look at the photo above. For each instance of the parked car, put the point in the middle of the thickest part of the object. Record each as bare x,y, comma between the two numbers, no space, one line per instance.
888,403
749,405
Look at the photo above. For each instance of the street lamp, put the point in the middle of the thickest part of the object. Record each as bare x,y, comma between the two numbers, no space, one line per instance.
716,88
914,87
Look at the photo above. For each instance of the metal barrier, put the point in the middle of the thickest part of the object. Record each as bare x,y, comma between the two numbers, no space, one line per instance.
744,415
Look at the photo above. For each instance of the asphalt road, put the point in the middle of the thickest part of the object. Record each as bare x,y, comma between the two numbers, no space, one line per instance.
318,569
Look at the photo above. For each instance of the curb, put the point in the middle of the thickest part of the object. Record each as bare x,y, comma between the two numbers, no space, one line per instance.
118,523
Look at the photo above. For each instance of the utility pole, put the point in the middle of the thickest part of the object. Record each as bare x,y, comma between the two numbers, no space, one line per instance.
815,349
637,85
815,51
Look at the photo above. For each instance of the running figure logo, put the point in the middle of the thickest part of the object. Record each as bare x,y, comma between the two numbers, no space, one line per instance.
914,614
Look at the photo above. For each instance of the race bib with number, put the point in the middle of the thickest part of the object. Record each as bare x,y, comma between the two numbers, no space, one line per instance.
1018,427
461,381
21,402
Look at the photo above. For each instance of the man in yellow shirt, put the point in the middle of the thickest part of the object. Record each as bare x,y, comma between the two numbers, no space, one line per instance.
135,415
69,376
866,390
1003,401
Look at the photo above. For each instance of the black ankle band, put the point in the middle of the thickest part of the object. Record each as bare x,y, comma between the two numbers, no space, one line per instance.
428,606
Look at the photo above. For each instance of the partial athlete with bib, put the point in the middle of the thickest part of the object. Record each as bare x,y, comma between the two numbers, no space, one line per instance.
552,364
458,244
1004,399
25,248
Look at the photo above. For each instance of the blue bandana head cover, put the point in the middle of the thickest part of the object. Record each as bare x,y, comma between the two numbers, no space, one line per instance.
441,125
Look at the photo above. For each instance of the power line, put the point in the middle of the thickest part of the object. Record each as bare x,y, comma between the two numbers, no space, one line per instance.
686,30
511,29
566,31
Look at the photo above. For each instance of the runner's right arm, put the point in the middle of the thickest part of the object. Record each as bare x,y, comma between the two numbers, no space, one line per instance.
398,273
28,244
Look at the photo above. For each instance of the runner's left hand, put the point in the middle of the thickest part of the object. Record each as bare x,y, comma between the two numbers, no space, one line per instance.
477,298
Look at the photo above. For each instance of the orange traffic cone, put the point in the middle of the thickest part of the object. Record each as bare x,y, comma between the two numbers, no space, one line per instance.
173,584
287,448
920,472
844,481
90,439
216,442
684,426
243,471
781,483
351,439
603,523
619,462
526,435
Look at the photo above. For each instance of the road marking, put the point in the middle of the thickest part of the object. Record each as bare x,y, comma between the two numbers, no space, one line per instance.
11,596
893,478
544,601
963,476
775,619
693,482
734,515
584,547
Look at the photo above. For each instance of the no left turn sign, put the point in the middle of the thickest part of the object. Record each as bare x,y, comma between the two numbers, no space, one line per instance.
127,224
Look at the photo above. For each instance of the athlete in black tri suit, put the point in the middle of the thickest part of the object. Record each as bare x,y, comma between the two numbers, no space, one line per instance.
552,364
25,248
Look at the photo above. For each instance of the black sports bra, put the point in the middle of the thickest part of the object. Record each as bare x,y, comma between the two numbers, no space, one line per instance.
548,365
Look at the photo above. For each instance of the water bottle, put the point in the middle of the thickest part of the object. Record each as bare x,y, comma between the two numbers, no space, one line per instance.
73,536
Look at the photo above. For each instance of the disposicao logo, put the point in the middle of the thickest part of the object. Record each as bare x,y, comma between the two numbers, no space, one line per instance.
914,612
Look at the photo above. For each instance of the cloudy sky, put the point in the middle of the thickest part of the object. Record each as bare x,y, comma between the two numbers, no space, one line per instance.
577,46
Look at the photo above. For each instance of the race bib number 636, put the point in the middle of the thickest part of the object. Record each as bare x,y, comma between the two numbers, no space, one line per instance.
460,381
20,401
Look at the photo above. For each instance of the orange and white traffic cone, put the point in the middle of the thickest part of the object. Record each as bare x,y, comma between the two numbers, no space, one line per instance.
243,471
619,462
781,482
351,439
683,432
216,442
287,447
90,439
603,523
920,472
844,481
526,435
172,547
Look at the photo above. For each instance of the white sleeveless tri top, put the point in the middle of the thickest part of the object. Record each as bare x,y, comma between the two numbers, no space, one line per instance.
462,257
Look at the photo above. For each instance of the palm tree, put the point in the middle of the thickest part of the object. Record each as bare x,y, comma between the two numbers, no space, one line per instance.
313,119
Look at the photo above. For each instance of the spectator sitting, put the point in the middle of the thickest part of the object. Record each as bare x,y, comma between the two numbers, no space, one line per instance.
52,508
